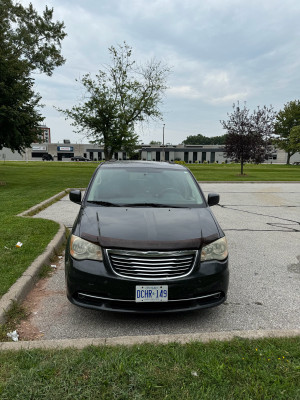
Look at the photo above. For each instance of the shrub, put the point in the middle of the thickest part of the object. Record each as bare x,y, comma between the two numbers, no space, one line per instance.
180,162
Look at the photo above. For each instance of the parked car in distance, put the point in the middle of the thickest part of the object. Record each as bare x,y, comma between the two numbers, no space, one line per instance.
79,158
47,157
145,241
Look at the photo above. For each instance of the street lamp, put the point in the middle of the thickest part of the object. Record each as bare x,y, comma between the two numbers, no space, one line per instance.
163,142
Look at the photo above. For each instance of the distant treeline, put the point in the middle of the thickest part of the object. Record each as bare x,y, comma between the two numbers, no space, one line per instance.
200,139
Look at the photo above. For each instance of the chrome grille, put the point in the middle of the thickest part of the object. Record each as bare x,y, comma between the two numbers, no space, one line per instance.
149,265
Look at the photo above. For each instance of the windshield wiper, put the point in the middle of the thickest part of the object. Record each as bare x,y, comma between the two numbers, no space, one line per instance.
151,205
104,203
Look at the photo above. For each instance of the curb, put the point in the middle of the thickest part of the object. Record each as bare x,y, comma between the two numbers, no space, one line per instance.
154,339
19,290
25,283
35,209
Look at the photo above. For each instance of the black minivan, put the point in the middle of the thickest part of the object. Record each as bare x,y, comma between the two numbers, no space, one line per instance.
145,240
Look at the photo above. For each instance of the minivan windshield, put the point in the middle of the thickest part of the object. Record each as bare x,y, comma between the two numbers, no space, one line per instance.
138,187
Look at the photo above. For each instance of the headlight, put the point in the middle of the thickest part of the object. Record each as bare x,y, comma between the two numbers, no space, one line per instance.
215,251
82,249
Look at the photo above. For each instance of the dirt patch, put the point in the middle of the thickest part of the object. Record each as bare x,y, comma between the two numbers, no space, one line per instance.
27,329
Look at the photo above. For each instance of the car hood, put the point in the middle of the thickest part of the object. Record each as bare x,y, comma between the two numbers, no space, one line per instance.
147,228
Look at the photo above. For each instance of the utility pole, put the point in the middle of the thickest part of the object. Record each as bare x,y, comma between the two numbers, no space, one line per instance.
163,157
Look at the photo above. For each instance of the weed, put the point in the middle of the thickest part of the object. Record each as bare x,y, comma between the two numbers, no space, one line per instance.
45,271
13,316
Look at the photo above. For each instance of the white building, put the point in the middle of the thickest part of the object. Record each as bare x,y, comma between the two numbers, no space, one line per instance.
200,154
186,153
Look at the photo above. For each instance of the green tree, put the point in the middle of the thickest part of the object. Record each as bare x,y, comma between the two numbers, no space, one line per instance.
286,120
295,138
249,134
19,114
158,143
120,96
28,42
204,140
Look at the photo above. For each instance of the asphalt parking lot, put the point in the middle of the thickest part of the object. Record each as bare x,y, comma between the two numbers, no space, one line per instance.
262,225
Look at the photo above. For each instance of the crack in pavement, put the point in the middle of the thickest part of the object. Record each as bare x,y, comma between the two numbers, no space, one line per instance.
283,226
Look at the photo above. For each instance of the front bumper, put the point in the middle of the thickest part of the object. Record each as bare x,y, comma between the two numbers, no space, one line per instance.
92,284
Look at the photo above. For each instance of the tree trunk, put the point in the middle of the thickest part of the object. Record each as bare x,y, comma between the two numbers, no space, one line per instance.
107,154
242,165
288,158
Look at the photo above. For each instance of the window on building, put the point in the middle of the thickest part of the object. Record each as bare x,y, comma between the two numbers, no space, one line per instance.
186,156
212,157
203,156
194,156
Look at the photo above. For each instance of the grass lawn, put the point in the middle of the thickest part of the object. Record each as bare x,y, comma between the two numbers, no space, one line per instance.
23,185
231,172
239,369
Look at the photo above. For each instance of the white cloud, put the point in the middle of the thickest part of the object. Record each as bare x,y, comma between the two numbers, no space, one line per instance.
216,79
229,98
185,92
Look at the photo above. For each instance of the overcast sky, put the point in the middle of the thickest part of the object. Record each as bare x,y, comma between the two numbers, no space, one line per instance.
220,51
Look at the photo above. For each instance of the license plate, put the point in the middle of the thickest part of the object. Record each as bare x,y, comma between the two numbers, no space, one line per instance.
152,294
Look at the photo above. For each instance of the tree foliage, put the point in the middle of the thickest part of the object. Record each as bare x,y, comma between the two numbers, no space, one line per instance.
204,140
32,37
120,95
285,127
28,42
248,134
295,138
155,142
18,108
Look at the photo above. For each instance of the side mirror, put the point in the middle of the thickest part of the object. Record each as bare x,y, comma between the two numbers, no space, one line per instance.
213,199
75,196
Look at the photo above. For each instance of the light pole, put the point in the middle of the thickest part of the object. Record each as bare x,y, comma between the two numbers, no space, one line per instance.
163,142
